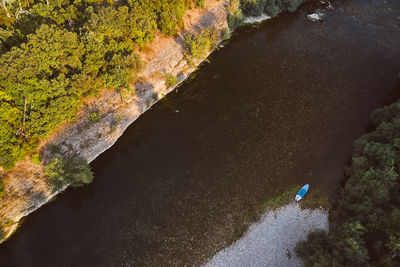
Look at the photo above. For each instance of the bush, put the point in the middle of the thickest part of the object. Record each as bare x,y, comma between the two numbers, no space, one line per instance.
1,185
200,44
270,7
35,157
2,233
95,116
253,7
170,80
235,15
61,172
225,33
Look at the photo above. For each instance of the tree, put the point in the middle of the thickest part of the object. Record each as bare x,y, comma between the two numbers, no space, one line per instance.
61,172
2,234
200,44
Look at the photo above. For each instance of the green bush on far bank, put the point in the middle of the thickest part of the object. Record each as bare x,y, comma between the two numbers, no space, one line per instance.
75,171
270,7
2,234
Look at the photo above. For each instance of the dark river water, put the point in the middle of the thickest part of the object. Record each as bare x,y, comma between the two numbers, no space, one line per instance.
280,105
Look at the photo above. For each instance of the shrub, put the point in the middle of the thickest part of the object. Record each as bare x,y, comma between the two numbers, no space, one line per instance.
2,233
1,185
270,7
252,7
35,157
225,33
201,43
235,15
95,116
61,172
170,80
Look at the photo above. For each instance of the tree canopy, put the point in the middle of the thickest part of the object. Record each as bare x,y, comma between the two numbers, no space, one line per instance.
61,172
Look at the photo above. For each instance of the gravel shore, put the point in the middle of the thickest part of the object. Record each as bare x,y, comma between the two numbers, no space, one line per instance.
271,240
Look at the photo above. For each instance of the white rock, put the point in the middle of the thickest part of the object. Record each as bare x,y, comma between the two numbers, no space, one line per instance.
315,16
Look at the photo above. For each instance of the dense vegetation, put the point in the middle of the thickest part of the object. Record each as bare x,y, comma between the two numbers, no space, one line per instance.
201,43
270,7
365,227
61,171
237,9
54,53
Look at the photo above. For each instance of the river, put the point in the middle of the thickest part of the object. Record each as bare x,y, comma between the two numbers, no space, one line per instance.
278,106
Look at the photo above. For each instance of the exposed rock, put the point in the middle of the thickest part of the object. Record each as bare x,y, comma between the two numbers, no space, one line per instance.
315,16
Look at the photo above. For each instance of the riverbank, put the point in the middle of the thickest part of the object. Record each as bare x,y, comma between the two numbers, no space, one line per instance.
26,189
271,240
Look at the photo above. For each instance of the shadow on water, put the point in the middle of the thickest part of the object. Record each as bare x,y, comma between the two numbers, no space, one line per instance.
280,105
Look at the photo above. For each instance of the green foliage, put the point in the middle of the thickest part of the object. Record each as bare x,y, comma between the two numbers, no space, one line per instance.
35,90
170,80
95,116
235,15
2,177
365,227
271,7
225,33
317,248
253,7
35,157
2,234
61,172
199,44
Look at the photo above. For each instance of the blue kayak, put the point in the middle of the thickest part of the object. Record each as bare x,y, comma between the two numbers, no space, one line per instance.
302,192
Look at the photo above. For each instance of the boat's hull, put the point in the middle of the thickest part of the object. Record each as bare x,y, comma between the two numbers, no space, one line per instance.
302,192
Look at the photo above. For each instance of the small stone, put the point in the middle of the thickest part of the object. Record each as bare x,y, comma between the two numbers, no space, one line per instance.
315,16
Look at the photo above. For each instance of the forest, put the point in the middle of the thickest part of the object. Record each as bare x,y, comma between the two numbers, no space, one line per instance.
55,53
365,226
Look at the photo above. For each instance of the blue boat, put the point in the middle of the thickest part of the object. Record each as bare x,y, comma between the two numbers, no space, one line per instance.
302,192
